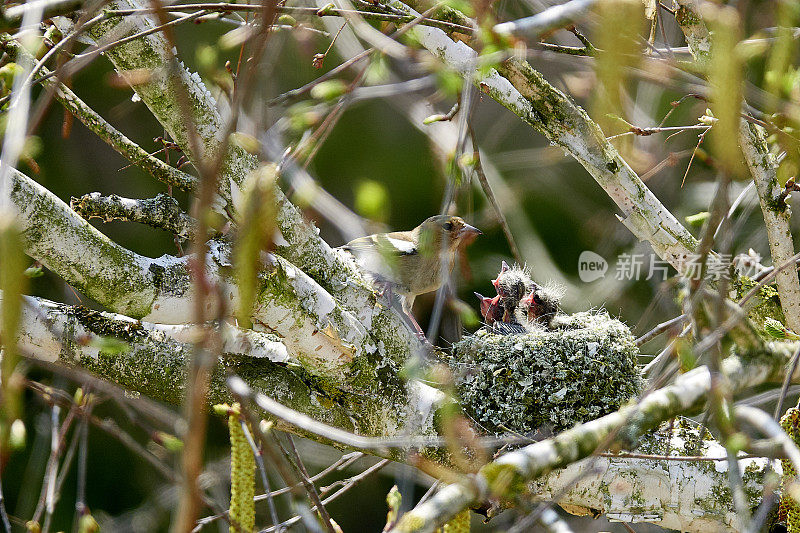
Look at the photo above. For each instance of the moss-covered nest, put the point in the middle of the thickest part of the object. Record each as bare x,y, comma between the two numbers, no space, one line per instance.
582,368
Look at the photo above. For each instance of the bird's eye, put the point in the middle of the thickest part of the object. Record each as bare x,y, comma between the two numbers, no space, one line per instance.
448,226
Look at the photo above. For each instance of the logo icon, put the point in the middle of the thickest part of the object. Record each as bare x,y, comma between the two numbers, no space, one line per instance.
591,266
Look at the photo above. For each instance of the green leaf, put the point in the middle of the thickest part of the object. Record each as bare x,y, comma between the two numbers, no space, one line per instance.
34,272
372,200
170,442
287,20
393,500
697,219
329,90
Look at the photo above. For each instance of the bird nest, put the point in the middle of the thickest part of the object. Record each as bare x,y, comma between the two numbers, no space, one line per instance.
581,367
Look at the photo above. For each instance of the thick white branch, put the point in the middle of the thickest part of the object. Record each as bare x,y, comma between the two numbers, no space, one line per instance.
152,359
315,328
678,479
691,496
65,243
50,331
776,217
162,212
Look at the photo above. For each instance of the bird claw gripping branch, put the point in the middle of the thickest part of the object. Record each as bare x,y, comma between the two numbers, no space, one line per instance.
521,304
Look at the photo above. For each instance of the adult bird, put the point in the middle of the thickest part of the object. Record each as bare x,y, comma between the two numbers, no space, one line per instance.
416,261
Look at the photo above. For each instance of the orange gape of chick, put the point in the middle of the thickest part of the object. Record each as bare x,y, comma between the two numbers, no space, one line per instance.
520,304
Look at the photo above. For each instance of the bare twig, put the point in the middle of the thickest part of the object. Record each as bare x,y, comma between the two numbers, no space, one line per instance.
381,446
3,513
770,428
763,169
107,425
487,190
83,455
659,329
557,16
327,11
653,457
340,464
309,486
352,482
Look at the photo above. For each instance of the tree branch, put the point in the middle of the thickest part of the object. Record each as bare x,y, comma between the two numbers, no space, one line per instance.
65,243
762,167
152,359
162,212
100,127
683,495
550,19
319,332
50,331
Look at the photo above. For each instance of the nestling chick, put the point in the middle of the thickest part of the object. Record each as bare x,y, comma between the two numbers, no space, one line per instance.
413,262
490,309
512,285
521,304
542,304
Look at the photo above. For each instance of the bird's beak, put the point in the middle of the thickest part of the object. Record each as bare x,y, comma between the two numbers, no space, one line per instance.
468,233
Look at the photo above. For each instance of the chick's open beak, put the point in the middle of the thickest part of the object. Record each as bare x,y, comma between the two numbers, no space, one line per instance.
468,233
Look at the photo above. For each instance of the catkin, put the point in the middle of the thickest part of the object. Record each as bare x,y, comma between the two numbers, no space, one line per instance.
243,482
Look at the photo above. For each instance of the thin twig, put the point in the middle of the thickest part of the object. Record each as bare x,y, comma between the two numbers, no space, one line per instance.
569,50
56,445
80,497
785,386
487,190
376,445
340,464
107,425
309,486
52,462
310,11
645,132
659,329
352,482
679,458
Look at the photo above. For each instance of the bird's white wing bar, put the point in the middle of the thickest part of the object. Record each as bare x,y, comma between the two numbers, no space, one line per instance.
402,246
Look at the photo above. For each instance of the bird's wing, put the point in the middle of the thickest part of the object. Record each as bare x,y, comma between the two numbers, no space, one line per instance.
387,244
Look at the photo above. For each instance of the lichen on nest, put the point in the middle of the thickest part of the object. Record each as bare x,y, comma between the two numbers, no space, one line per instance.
581,368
